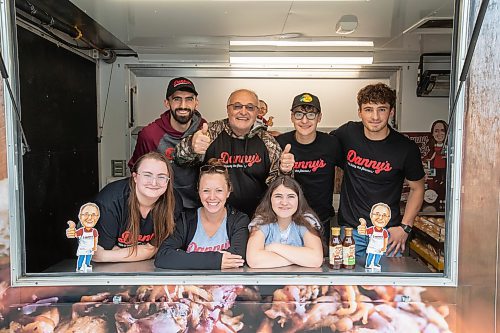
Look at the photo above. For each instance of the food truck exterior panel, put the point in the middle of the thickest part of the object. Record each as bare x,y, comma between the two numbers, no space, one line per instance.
463,300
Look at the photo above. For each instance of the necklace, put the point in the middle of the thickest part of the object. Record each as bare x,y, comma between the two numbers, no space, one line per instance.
285,233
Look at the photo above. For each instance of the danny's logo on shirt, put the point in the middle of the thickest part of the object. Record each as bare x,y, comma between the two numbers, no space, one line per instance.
193,247
169,153
124,240
87,235
366,164
239,161
309,166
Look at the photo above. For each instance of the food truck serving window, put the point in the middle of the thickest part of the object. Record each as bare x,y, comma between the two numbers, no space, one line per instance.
82,125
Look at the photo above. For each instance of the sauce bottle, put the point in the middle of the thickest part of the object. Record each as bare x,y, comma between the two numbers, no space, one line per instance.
335,249
348,250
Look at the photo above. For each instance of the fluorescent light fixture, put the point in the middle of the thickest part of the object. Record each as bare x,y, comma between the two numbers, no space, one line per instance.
301,58
288,43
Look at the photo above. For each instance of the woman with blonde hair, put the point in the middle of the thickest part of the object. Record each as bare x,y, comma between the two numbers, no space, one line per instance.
285,230
213,236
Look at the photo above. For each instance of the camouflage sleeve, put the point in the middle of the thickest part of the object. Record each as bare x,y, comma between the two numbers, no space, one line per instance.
216,127
274,151
184,153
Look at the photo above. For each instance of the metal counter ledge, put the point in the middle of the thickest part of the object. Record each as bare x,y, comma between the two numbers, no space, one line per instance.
402,266
403,271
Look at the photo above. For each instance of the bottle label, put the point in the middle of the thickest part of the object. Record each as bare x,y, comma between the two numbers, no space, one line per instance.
336,255
349,255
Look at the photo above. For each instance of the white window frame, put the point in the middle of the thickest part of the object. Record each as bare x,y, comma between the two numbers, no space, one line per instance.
16,214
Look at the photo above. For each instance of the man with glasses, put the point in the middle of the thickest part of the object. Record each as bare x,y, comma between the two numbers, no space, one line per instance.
251,154
316,155
378,160
179,121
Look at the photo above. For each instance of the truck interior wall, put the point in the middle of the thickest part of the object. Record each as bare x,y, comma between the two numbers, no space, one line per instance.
418,113
339,104
59,108
337,97
113,116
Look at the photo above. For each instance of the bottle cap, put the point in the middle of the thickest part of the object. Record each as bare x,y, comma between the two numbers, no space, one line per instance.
335,231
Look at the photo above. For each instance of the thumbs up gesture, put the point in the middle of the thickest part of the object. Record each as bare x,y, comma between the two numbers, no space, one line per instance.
201,140
287,160
270,121
71,231
362,226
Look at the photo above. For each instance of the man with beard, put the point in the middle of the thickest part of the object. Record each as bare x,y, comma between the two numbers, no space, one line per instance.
179,121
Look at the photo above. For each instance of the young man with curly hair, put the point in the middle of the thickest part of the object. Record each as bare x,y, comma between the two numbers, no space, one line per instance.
377,161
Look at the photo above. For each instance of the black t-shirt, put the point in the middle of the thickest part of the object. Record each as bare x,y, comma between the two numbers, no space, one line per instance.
113,222
374,172
248,164
314,169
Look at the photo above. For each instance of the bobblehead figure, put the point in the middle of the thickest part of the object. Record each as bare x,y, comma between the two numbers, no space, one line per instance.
87,235
380,215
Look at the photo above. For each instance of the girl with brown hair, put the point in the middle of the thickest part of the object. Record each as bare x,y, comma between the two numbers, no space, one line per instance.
213,236
137,213
285,230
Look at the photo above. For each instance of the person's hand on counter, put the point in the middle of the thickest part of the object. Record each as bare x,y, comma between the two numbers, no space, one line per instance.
118,254
397,241
309,255
230,260
99,254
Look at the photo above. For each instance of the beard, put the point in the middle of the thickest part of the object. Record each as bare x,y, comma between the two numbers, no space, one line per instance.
183,119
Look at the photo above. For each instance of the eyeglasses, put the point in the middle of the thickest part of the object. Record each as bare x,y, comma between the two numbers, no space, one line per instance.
214,168
378,215
238,106
87,215
161,180
309,115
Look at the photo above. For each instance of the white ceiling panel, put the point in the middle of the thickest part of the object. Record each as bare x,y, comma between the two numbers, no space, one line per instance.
205,27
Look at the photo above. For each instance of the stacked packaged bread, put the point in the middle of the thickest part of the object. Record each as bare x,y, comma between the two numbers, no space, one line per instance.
433,226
